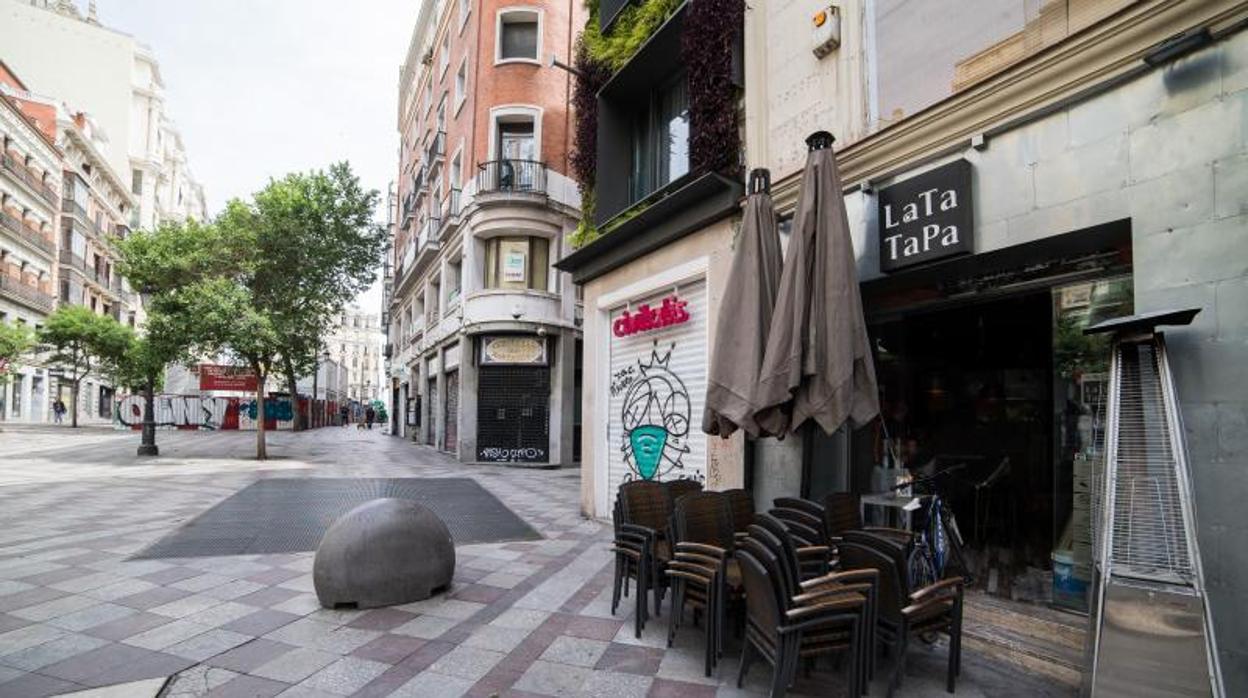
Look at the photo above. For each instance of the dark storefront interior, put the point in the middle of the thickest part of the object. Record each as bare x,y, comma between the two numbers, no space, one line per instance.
983,369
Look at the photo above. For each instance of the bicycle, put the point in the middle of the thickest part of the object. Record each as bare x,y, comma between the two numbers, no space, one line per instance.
939,541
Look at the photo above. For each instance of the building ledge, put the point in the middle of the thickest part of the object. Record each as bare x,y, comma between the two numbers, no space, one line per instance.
695,205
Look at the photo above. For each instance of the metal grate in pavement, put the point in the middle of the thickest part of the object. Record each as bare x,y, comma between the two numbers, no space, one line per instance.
283,515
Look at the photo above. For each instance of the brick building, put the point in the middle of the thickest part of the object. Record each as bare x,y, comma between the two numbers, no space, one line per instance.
482,330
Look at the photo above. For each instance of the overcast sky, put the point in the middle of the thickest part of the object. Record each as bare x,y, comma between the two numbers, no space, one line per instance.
260,88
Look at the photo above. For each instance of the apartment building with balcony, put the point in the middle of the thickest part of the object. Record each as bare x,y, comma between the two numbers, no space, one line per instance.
30,202
483,332
92,207
118,80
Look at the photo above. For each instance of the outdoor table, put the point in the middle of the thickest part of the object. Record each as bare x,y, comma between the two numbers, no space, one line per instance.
891,501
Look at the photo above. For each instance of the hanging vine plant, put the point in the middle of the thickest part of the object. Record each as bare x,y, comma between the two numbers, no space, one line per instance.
708,43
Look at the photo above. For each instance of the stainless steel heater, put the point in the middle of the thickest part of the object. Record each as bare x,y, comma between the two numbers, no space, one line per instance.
1151,633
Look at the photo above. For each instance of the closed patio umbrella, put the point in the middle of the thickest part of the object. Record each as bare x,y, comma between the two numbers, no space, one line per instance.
817,364
744,316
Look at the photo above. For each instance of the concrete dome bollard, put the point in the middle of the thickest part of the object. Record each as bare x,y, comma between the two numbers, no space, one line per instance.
382,553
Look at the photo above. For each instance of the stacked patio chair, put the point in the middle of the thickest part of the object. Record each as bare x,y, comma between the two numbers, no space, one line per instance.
742,502
642,547
789,622
903,612
843,512
702,572
805,521
861,580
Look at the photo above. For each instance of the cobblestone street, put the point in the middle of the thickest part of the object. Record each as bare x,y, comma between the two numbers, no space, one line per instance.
78,610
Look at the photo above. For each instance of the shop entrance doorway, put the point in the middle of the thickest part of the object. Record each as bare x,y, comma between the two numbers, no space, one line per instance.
985,374
1005,396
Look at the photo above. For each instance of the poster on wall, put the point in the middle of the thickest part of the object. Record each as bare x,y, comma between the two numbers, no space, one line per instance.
514,267
657,388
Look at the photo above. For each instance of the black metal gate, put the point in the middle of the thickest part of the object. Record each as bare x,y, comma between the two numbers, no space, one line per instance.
513,414
451,442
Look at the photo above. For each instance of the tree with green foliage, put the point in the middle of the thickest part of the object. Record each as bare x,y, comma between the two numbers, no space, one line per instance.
197,278
80,342
140,368
15,341
316,248
262,282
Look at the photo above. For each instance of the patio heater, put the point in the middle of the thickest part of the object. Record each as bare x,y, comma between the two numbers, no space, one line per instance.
1151,633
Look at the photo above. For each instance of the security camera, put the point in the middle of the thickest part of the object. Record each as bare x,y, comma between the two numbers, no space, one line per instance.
541,332
516,312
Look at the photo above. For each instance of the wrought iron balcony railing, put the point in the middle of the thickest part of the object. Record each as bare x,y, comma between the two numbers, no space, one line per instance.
25,294
34,237
23,173
507,176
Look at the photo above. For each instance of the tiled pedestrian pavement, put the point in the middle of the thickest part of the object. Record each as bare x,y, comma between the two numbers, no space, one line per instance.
521,619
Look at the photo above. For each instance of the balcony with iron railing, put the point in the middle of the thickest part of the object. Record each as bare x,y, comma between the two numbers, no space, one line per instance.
511,177
73,208
435,149
428,241
26,233
23,173
25,294
451,205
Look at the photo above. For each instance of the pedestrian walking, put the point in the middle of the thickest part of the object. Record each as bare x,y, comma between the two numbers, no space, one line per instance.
58,411
369,415
344,413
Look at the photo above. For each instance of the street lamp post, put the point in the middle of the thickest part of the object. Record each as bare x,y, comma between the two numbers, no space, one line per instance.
325,357
147,442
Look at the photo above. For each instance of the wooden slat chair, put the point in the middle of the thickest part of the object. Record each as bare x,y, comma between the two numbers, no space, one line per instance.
903,612
843,512
813,558
773,534
679,488
702,572
742,502
785,631
642,548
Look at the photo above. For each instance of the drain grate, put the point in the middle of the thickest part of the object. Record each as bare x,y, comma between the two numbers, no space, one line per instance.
283,515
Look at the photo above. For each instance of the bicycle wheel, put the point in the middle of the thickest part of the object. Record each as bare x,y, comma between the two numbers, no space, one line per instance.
921,571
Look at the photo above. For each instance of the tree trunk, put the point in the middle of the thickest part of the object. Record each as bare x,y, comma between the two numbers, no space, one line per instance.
73,403
261,452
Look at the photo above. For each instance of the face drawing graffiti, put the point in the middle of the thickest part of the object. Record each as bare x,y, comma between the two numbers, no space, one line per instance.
655,417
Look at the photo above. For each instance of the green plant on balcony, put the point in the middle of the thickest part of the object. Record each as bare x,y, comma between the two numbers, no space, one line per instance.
710,30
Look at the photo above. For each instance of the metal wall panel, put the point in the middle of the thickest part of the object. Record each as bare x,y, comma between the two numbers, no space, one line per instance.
657,392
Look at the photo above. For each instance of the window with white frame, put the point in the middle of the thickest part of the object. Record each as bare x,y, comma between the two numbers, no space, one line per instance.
465,7
444,57
428,97
519,35
457,170
461,84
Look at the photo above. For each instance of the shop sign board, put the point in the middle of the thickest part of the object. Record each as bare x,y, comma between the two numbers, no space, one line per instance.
926,218
673,311
219,377
513,350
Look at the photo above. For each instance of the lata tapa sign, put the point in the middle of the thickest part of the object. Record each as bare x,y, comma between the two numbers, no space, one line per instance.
219,377
926,218
671,312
